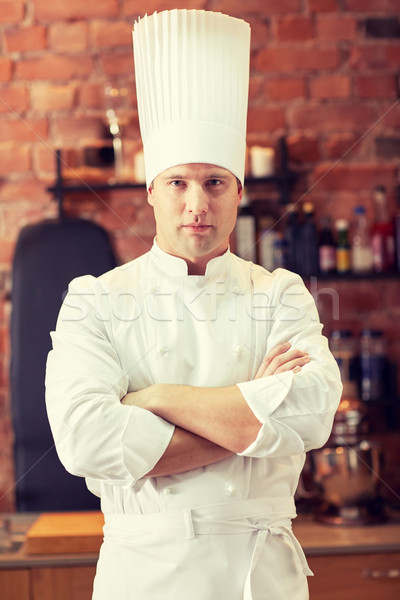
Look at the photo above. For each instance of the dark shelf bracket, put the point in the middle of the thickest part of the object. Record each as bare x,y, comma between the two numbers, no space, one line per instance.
58,189
284,180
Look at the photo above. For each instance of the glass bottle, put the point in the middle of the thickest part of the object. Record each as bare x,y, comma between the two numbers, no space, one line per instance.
344,348
245,230
351,418
309,242
361,249
373,365
266,243
279,250
342,246
291,239
382,234
326,250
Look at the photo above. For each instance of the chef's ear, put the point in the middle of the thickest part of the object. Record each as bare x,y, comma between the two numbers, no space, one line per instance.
240,191
150,199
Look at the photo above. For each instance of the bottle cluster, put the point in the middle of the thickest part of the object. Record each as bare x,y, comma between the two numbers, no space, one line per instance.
305,247
362,361
369,399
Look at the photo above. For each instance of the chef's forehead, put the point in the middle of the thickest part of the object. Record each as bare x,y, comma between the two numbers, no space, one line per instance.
192,169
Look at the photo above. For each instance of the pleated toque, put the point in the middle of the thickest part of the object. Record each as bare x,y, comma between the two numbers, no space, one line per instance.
192,80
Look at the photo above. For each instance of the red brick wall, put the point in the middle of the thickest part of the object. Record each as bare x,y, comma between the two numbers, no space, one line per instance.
324,73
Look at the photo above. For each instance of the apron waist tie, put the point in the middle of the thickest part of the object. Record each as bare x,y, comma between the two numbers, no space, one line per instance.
246,517
263,532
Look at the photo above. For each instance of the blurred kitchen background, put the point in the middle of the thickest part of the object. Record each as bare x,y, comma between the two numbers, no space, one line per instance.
323,184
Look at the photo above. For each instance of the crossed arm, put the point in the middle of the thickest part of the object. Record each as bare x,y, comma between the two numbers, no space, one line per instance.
210,423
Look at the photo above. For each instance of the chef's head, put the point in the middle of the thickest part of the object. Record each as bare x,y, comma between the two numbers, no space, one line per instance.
192,77
195,207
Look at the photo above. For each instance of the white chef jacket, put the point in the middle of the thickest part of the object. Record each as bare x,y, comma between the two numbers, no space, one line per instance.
149,322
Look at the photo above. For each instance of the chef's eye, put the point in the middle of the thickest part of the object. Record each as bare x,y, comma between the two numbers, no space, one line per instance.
176,182
214,182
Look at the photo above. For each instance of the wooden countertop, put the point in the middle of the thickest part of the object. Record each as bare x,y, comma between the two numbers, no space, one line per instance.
21,558
316,539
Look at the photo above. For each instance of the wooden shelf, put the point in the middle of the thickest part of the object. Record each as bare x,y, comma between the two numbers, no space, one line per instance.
283,181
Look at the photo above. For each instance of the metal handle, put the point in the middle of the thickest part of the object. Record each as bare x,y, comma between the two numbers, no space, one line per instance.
381,573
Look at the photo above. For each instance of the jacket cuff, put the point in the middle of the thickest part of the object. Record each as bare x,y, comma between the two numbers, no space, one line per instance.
264,396
142,450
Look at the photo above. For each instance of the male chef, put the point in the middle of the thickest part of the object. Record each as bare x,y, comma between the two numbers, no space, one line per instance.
187,385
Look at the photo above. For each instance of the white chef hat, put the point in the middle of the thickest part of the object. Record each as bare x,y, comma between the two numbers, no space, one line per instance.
192,79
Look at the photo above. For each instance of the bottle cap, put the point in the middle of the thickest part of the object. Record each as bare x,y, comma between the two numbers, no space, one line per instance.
372,333
308,207
341,224
341,333
359,210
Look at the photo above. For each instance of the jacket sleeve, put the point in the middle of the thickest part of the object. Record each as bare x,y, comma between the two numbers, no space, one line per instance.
95,435
296,410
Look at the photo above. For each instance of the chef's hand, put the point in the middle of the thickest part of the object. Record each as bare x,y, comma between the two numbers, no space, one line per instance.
281,359
141,398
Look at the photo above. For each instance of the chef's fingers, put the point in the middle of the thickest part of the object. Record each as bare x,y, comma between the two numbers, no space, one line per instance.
285,361
268,358
300,361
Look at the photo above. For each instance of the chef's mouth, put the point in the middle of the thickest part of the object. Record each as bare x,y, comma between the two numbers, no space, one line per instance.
197,227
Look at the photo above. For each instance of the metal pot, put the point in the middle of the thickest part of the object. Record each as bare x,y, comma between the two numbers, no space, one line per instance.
348,478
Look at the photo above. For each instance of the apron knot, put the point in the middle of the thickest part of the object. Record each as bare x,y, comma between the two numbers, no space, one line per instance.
263,531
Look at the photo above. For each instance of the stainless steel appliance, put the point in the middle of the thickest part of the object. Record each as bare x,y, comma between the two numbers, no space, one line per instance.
348,478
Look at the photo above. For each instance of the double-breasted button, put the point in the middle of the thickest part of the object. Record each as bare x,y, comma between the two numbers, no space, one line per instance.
236,290
230,489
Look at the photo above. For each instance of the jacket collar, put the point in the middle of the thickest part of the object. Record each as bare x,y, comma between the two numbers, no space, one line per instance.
174,266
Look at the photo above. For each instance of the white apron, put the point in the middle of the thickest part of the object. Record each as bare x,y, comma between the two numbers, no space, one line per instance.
238,551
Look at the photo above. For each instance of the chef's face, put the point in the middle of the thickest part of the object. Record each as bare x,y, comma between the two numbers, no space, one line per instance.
195,208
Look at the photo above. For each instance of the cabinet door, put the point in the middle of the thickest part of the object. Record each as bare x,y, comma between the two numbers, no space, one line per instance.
63,583
355,577
14,584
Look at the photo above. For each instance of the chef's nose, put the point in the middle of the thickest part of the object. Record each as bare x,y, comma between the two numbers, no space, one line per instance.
196,200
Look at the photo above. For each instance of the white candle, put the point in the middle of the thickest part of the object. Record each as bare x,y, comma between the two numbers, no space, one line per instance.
262,161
